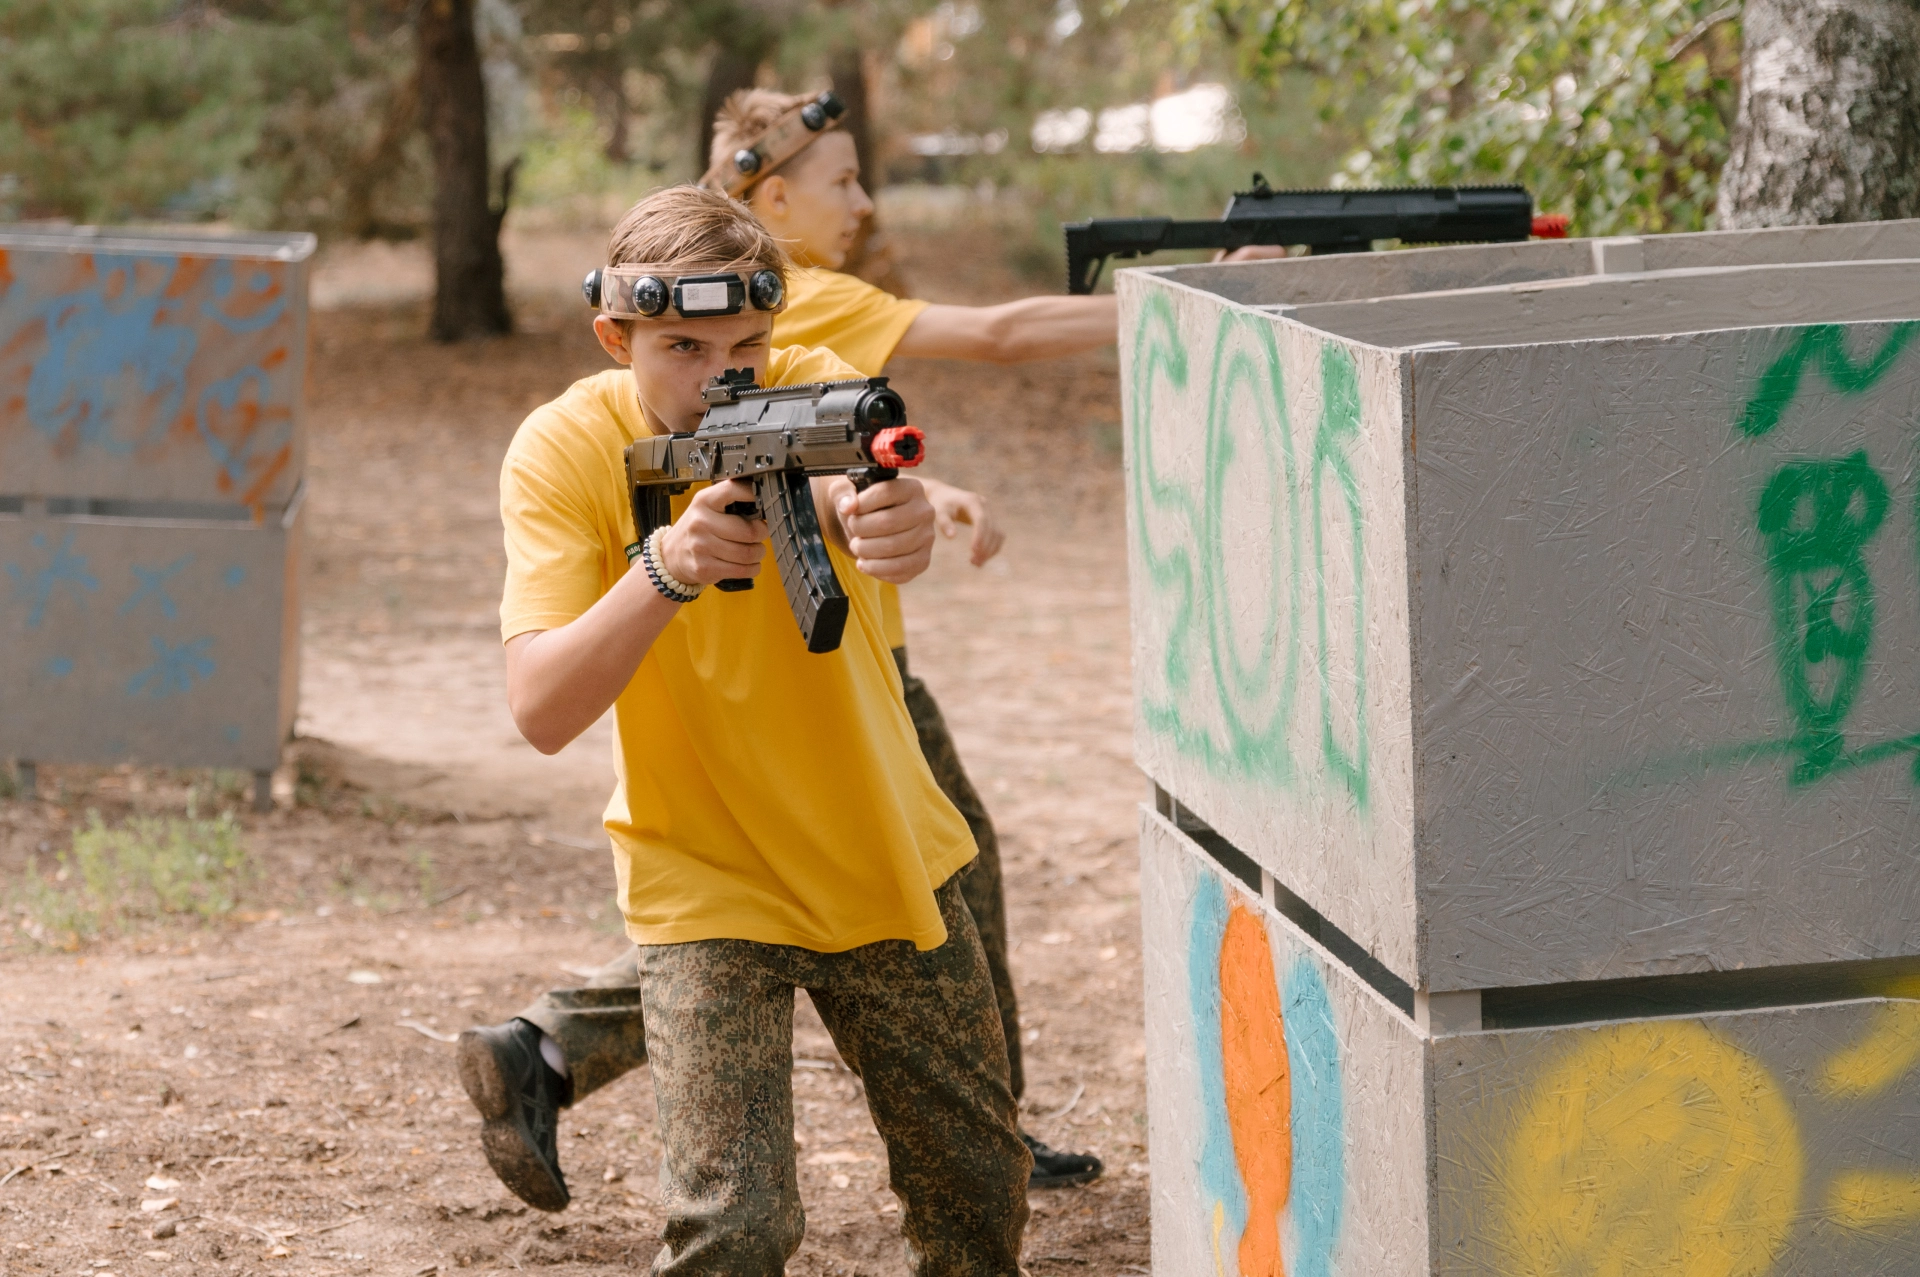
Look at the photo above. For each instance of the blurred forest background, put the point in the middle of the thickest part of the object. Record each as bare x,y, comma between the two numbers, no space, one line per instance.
320,114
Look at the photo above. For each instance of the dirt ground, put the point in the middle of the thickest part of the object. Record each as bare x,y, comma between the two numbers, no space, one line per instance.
285,1078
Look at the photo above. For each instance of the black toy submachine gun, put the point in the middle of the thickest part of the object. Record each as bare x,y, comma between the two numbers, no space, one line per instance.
1324,221
779,437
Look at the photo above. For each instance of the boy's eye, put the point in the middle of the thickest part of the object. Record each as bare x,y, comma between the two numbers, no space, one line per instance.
686,346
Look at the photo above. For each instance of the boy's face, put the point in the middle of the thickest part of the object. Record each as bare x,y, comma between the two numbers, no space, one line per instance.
673,359
815,204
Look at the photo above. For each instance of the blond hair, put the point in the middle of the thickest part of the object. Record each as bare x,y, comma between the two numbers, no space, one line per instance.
744,116
690,230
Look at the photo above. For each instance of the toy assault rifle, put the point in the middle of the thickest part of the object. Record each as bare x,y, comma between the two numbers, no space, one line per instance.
1325,221
779,437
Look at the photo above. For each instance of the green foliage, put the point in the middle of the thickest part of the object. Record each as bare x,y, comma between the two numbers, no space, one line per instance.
1615,113
145,870
265,112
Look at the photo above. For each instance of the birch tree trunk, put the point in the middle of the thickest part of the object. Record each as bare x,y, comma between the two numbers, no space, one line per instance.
469,277
1829,122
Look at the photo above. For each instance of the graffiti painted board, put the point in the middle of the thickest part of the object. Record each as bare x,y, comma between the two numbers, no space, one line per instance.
1299,1124
148,641
1540,660
151,366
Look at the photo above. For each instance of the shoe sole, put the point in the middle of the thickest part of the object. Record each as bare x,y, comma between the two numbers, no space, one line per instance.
1064,1181
480,1075
516,1165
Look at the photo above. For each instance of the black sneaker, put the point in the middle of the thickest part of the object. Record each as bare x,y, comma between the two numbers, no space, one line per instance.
520,1096
1054,1169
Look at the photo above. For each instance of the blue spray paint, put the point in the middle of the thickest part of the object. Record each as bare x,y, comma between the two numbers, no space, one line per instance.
174,669
258,284
153,585
235,574
1219,1173
1319,1142
226,393
96,350
60,666
63,568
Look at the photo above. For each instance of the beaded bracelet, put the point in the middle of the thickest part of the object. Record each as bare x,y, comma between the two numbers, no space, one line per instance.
670,587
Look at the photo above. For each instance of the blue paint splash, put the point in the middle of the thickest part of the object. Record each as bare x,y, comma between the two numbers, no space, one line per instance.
64,567
174,669
97,350
1319,1141
1219,1173
60,666
153,585
234,575
226,393
257,283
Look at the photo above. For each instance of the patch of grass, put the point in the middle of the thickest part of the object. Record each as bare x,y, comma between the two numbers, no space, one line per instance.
147,869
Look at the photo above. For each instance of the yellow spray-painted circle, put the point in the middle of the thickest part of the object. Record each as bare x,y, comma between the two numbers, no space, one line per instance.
1652,1148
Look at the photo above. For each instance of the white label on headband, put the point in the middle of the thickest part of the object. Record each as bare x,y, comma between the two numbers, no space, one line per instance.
702,297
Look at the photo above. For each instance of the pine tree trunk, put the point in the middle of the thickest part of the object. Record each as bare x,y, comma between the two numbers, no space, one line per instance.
469,278
1829,123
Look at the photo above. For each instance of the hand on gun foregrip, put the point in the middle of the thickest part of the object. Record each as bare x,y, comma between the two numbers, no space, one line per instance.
707,545
889,527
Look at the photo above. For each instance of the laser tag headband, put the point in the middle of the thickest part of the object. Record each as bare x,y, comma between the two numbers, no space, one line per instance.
785,138
647,292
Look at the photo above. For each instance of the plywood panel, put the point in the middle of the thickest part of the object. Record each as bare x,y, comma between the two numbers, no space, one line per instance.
153,369
1669,650
1352,277
1285,1099
169,644
1630,306
1780,1143
1267,541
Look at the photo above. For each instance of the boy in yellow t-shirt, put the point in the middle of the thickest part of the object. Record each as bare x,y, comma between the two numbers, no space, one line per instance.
807,190
774,824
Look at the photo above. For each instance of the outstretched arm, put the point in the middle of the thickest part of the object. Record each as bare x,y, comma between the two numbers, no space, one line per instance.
1013,332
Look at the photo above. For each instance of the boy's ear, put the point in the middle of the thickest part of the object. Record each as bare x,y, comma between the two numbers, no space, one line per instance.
614,338
770,197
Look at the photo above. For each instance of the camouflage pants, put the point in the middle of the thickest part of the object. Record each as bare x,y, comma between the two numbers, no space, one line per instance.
599,1025
924,1031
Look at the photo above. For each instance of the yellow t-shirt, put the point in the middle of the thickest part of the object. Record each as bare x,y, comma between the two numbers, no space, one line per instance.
764,793
861,324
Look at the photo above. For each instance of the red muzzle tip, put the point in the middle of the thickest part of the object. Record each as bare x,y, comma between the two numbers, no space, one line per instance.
899,447
1550,226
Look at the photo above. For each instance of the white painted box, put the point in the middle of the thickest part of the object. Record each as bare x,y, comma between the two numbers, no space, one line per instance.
1549,632
1301,1123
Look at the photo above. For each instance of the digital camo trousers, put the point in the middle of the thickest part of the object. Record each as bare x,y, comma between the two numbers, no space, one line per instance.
599,1025
922,1031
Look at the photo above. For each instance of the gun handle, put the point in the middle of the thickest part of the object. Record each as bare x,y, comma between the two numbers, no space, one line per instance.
746,510
867,476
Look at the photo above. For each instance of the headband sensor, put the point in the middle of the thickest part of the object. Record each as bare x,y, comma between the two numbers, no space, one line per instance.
785,138
636,292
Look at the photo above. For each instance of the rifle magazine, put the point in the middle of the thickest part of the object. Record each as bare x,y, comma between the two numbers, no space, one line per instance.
814,592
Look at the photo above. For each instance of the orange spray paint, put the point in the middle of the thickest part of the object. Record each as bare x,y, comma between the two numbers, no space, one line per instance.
1253,1045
